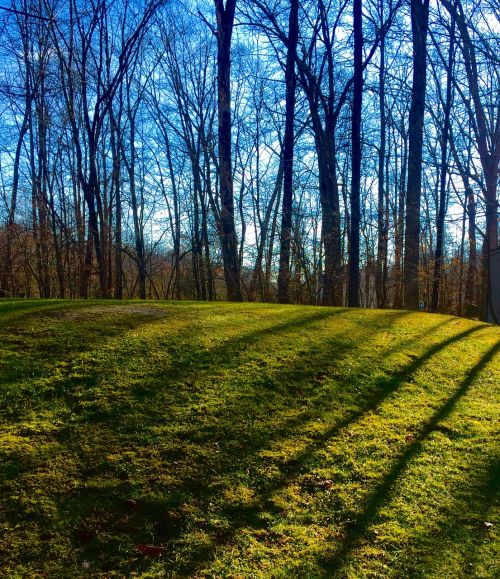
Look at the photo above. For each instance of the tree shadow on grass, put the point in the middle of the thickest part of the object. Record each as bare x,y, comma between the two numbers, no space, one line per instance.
227,353
203,472
82,335
241,517
460,531
360,525
18,310
250,516
232,351
486,496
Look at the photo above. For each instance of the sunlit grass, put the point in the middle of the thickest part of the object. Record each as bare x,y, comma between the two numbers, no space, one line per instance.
246,440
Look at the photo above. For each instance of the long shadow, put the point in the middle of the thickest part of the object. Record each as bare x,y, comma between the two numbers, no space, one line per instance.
461,527
290,469
227,352
382,390
222,350
487,495
380,494
230,353
376,392
288,375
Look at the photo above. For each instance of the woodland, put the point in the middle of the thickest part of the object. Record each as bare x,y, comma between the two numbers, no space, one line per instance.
307,152
247,249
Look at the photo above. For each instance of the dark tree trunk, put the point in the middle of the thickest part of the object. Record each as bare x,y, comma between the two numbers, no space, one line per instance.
115,140
225,21
206,261
288,145
92,196
177,223
357,101
419,22
266,293
137,206
381,265
487,133
470,284
399,227
330,208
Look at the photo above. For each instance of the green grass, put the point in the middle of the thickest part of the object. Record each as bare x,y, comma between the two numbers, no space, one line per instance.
248,440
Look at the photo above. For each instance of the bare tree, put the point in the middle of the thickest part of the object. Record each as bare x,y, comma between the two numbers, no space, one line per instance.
357,102
286,215
419,24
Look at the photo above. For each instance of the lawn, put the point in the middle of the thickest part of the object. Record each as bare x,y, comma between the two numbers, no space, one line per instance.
246,440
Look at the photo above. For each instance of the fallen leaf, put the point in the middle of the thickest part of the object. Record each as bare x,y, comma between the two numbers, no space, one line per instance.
152,550
131,503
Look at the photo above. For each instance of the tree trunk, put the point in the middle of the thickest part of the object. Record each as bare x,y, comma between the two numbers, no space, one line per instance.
288,145
357,101
419,22
487,132
225,20
470,284
400,224
380,272
438,255
115,141
257,274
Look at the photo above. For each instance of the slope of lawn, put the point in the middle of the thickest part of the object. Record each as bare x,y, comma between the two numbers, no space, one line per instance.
246,440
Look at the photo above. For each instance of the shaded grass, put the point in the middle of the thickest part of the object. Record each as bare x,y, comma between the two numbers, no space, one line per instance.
247,440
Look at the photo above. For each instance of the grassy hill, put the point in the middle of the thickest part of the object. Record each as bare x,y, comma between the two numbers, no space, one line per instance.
246,440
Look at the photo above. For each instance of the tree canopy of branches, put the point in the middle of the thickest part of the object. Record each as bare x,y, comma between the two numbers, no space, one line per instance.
336,153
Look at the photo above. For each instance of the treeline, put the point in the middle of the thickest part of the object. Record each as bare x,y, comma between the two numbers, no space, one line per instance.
336,153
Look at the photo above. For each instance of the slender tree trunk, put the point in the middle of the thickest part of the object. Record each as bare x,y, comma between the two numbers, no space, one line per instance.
56,239
261,242
357,101
470,284
288,145
115,141
137,207
212,295
92,197
462,252
206,261
266,286
195,241
176,233
438,255
399,228
381,264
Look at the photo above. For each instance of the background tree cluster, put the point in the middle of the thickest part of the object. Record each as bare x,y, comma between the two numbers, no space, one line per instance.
309,151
